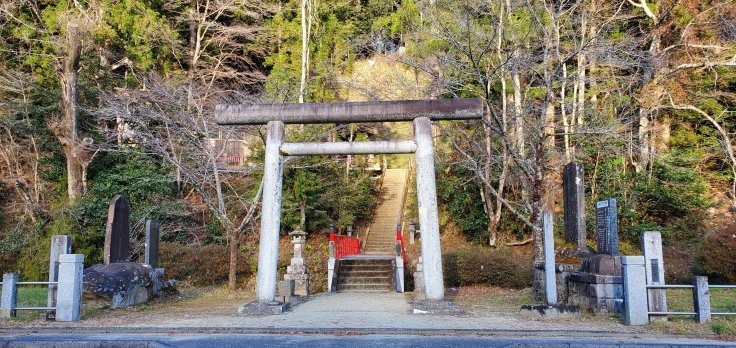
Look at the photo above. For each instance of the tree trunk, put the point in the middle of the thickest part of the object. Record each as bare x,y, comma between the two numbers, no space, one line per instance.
518,120
67,130
232,277
549,126
306,25
564,116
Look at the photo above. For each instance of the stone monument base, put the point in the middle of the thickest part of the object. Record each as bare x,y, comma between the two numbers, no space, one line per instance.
442,307
550,310
599,285
260,308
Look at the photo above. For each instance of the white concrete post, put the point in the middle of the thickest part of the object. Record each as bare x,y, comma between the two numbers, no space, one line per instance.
427,206
271,214
59,245
654,263
550,279
635,291
69,298
701,299
9,298
399,274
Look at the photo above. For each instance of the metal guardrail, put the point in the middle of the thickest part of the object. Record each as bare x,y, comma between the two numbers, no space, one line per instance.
673,313
694,288
34,308
36,283
13,307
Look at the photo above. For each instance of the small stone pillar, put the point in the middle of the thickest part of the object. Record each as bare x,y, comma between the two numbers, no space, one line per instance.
635,291
350,230
701,299
59,245
419,281
654,263
297,270
152,240
550,278
69,301
9,298
412,231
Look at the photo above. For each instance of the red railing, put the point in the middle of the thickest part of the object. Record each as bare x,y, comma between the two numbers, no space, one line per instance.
233,159
400,241
344,245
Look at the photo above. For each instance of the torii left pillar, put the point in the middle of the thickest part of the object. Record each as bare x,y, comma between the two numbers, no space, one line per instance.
268,253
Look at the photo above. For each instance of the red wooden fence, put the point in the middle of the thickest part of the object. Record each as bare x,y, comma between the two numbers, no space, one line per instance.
344,245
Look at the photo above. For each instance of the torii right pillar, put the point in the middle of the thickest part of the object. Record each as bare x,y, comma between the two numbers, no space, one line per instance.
427,205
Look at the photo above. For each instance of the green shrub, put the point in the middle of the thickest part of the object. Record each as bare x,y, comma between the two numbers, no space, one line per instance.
461,198
200,265
671,199
477,265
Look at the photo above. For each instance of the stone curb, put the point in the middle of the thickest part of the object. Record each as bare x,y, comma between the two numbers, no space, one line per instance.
343,331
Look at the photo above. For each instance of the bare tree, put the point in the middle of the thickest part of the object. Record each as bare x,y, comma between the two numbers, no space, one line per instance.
19,153
163,124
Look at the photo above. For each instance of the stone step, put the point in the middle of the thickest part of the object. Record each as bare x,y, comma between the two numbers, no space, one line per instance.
366,263
364,287
364,280
378,247
363,273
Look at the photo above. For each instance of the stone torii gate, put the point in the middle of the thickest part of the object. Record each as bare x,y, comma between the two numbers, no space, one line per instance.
420,112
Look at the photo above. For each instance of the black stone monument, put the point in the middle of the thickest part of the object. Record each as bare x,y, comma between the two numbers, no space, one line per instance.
117,239
573,192
606,221
152,238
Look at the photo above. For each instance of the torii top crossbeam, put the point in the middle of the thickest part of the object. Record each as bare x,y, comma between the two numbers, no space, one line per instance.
350,112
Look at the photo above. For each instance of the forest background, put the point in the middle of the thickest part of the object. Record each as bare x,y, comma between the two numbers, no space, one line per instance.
106,97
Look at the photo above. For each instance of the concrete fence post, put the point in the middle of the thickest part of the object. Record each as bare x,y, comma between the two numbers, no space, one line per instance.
69,298
9,296
268,251
60,245
654,264
701,299
635,291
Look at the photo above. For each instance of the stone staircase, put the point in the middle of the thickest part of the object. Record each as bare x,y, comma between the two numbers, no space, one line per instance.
381,238
362,273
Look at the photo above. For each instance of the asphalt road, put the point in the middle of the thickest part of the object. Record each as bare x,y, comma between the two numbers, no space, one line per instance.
318,340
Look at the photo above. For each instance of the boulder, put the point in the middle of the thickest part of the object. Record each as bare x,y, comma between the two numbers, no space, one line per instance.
124,284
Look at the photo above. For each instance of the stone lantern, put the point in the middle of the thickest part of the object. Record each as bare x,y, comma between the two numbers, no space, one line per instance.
297,270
